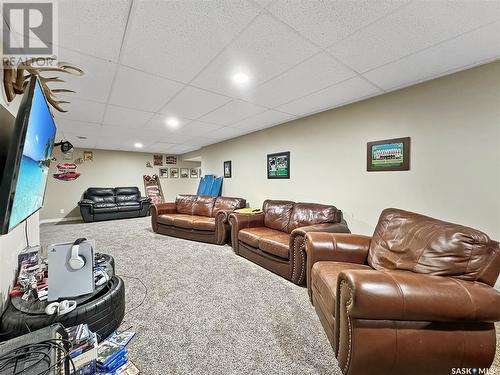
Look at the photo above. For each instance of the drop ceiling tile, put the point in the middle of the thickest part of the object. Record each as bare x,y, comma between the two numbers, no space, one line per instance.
81,143
175,39
228,132
192,103
94,27
131,135
466,50
182,149
262,51
86,129
142,91
326,22
232,112
415,27
198,128
94,85
264,120
81,110
158,147
126,117
200,141
318,72
342,93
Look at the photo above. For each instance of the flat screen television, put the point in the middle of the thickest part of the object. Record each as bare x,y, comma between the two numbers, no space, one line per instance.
25,158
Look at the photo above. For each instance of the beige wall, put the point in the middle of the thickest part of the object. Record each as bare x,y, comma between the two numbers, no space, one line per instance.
108,169
15,241
454,125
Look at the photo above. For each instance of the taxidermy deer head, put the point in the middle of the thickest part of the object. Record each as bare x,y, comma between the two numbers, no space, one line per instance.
15,79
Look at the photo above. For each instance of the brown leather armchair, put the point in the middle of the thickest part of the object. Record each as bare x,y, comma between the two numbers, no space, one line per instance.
274,239
415,298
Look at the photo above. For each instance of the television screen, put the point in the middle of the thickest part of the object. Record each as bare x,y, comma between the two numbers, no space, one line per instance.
26,169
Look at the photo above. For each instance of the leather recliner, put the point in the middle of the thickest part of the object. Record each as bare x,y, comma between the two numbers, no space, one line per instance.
274,239
198,218
415,298
108,204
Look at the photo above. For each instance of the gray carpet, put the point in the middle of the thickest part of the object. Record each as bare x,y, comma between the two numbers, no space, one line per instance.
208,311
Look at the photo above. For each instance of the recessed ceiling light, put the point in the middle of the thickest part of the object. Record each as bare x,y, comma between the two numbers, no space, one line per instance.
138,145
241,78
172,122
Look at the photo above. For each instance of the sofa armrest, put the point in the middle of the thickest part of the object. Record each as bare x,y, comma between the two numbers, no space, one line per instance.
86,202
297,246
336,247
405,296
160,209
144,201
241,221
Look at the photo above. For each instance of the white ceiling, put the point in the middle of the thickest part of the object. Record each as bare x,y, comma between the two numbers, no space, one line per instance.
149,60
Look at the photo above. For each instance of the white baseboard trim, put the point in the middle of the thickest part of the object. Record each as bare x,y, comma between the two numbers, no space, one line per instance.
45,221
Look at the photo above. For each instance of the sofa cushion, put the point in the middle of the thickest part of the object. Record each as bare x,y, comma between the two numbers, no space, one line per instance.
129,206
185,203
203,206
204,223
276,244
408,241
277,214
168,219
186,221
324,277
251,236
101,195
127,194
105,207
228,204
304,214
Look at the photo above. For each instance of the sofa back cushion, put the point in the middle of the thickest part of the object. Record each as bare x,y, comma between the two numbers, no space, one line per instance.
184,203
228,204
408,241
304,214
127,194
100,195
203,206
277,214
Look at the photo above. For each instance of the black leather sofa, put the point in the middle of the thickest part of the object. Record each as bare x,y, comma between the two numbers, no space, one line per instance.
108,204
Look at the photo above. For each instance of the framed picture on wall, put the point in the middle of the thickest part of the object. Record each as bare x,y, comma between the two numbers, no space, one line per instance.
163,172
388,155
278,165
227,169
171,159
193,173
88,156
158,159
174,172
184,172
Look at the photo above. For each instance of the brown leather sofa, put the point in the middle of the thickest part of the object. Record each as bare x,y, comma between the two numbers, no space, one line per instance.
199,218
274,239
415,298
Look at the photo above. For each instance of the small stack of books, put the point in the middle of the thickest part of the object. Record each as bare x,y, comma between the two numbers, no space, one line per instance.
83,349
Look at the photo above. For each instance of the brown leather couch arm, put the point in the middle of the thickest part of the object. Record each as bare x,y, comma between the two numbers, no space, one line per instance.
241,221
160,209
337,247
297,247
223,230
409,296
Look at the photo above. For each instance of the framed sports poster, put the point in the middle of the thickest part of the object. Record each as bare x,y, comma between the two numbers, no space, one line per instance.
227,169
278,165
388,155
158,160
170,159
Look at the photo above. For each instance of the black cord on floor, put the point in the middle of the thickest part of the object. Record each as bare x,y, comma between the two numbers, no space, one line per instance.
143,298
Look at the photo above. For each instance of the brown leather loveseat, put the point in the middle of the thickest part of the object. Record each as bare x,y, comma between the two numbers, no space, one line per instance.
274,239
199,218
415,298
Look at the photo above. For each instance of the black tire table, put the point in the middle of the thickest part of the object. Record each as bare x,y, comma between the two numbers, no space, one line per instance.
102,310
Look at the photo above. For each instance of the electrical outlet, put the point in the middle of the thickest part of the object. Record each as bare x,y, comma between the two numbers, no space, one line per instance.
61,211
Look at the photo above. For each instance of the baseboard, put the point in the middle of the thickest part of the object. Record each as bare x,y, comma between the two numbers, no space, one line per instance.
75,218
